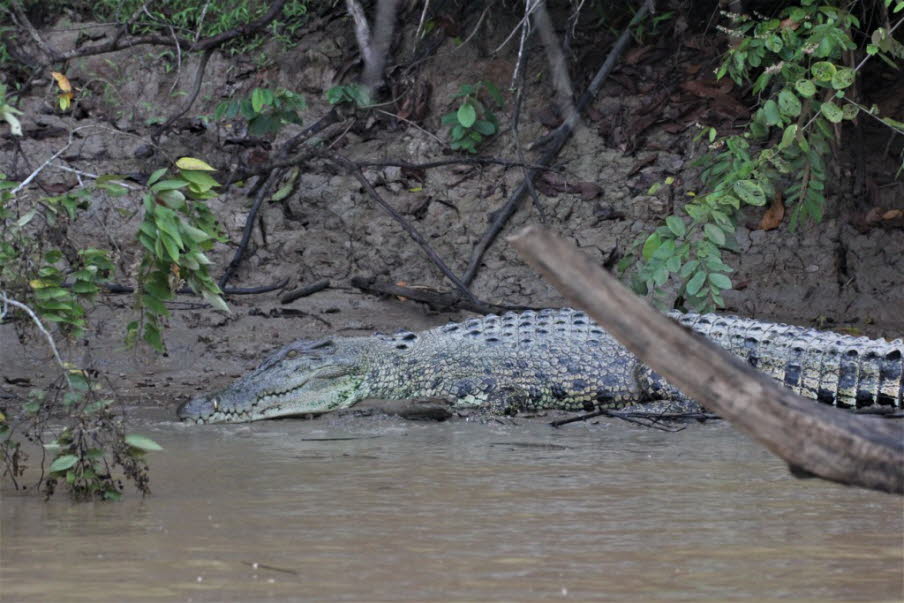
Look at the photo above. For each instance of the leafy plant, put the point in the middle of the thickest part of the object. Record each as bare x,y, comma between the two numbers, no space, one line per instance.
8,113
265,110
348,93
93,443
66,93
793,62
177,229
473,122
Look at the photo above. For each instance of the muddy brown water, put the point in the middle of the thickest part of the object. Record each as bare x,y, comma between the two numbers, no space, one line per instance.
379,509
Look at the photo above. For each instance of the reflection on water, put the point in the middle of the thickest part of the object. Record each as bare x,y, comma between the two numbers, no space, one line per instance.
296,510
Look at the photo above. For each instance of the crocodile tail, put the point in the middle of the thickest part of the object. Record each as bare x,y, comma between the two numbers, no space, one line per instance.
845,371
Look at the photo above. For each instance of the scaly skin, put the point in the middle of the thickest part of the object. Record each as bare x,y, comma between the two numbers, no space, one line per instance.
548,359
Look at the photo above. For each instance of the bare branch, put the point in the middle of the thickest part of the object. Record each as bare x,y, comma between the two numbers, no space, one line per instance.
557,65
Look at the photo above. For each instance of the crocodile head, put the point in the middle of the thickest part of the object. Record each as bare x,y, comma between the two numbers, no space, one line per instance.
305,377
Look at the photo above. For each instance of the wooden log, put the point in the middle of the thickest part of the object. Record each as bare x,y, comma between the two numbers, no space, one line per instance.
813,438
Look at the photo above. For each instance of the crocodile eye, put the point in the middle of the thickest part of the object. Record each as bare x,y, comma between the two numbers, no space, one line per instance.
292,353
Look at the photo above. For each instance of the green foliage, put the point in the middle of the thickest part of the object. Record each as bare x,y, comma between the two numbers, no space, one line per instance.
177,229
651,27
265,110
350,94
86,452
37,273
8,113
473,122
186,18
794,64
57,289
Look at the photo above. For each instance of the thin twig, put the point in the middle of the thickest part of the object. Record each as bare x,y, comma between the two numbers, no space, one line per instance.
196,89
118,43
558,139
353,169
288,298
8,301
50,160
614,414
246,231
94,176
438,300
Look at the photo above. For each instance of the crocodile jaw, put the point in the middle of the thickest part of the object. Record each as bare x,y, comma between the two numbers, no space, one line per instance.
302,378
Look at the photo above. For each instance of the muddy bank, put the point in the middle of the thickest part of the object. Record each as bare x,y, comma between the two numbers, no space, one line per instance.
841,272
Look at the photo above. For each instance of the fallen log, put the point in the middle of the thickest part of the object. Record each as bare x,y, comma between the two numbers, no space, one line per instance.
814,439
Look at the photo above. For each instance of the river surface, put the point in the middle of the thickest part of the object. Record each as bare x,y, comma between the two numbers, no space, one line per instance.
367,509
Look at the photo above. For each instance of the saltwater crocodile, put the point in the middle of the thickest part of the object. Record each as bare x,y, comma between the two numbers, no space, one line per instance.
547,359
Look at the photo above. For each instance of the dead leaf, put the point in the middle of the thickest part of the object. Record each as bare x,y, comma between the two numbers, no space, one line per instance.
707,88
549,117
774,215
636,55
874,215
642,163
676,128
589,190
62,81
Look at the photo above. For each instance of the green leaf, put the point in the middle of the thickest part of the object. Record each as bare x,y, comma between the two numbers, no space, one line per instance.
650,246
156,176
788,136
202,180
258,100
689,268
263,125
660,275
168,185
190,163
823,71
849,111
154,305
696,283
720,281
195,234
774,43
215,300
805,88
832,112
142,443
750,192
494,93
676,225
843,78
487,128
172,199
62,463
673,264
714,234
771,113
467,115
153,338
788,103
665,251
84,288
